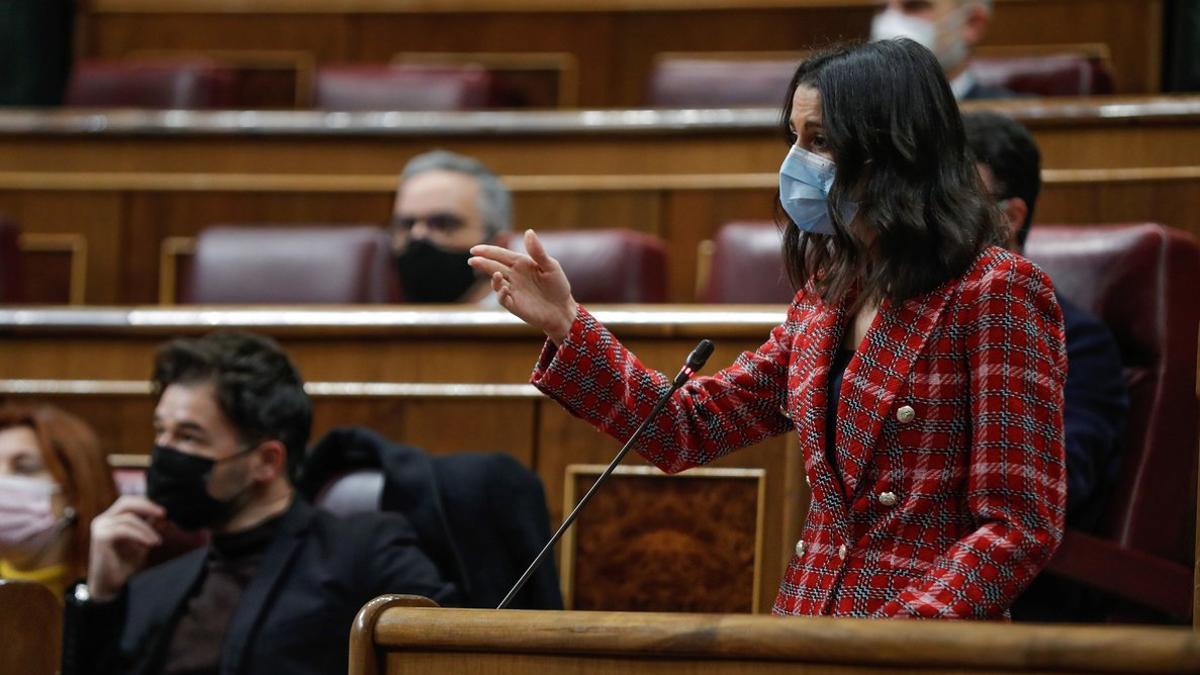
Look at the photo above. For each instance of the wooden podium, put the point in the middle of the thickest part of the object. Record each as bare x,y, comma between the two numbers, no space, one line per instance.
404,634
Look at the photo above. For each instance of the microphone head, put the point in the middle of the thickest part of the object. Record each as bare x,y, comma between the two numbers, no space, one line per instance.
700,354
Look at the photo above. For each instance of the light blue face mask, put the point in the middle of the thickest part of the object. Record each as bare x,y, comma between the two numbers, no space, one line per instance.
805,179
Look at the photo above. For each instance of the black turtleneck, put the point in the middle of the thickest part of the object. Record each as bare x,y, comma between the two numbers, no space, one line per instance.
233,560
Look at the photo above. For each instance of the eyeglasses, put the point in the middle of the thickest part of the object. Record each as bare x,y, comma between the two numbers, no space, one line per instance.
439,222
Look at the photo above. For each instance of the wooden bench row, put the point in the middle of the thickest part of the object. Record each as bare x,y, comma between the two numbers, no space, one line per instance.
610,45
761,488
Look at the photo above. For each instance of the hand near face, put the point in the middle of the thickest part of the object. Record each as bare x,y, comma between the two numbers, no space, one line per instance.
533,287
121,538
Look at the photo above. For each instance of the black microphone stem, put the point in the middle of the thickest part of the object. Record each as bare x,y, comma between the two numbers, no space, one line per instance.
694,364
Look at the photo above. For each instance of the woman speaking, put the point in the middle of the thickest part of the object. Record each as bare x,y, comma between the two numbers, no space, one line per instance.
921,366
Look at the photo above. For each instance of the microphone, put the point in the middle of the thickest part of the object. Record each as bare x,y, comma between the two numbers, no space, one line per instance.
695,361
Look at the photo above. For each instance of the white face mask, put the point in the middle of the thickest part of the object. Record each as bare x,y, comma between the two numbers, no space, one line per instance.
951,50
27,521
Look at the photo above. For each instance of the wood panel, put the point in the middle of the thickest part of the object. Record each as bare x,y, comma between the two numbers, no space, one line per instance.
430,344
512,419
613,42
707,521
125,220
31,623
422,640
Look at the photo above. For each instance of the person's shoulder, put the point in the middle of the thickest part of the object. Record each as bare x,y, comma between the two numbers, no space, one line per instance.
1000,280
364,525
997,267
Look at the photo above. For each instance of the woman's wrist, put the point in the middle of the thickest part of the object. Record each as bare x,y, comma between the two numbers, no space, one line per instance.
559,332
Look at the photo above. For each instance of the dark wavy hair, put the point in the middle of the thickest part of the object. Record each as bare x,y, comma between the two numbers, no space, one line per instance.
896,135
258,388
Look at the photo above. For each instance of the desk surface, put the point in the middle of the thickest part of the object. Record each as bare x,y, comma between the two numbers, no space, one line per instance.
1102,111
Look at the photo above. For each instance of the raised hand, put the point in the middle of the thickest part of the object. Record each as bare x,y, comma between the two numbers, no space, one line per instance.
532,287
121,538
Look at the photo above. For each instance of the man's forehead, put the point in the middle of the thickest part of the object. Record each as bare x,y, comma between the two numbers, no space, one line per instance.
437,188
191,403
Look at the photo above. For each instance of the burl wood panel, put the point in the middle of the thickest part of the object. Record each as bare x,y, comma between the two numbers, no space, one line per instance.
564,440
656,543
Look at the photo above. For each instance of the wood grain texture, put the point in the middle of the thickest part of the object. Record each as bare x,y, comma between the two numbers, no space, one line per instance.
31,623
614,41
562,642
125,218
628,548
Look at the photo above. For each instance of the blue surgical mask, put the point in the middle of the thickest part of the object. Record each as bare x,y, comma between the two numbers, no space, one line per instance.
805,179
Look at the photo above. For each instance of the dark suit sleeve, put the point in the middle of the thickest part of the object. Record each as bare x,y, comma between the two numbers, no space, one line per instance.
515,494
393,564
92,635
1096,406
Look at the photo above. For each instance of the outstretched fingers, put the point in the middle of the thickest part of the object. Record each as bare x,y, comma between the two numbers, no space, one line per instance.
497,253
534,246
488,266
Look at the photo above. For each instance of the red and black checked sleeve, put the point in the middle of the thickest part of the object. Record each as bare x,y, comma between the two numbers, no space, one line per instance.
595,378
1016,485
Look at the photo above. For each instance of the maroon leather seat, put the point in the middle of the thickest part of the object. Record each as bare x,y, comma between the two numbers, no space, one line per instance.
194,84
720,83
10,261
747,266
1047,75
607,266
294,264
401,87
1141,280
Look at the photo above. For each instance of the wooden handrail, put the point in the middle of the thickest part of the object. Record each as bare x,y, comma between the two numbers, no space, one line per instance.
845,642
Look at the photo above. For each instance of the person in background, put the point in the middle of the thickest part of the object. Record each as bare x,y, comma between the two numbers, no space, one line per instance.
446,203
951,29
54,479
36,49
1096,399
277,589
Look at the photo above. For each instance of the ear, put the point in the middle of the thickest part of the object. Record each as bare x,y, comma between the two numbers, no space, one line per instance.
976,24
1015,211
272,461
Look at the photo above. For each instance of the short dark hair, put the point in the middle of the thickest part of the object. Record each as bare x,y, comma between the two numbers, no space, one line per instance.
895,132
257,387
1006,147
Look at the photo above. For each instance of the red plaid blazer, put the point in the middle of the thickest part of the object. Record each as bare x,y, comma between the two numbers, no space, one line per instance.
949,438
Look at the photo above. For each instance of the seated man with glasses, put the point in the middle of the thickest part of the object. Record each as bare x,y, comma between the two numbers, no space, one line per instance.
446,204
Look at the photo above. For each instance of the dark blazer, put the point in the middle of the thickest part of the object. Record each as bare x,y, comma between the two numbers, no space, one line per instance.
1097,404
481,517
295,614
1094,418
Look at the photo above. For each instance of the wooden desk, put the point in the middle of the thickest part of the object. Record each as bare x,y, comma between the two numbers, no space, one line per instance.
411,375
515,419
31,623
614,42
390,638
100,194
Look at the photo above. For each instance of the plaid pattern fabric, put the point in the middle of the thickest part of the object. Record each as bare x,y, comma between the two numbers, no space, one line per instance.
949,438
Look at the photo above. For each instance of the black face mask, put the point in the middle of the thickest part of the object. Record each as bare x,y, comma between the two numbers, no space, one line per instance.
430,273
178,482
